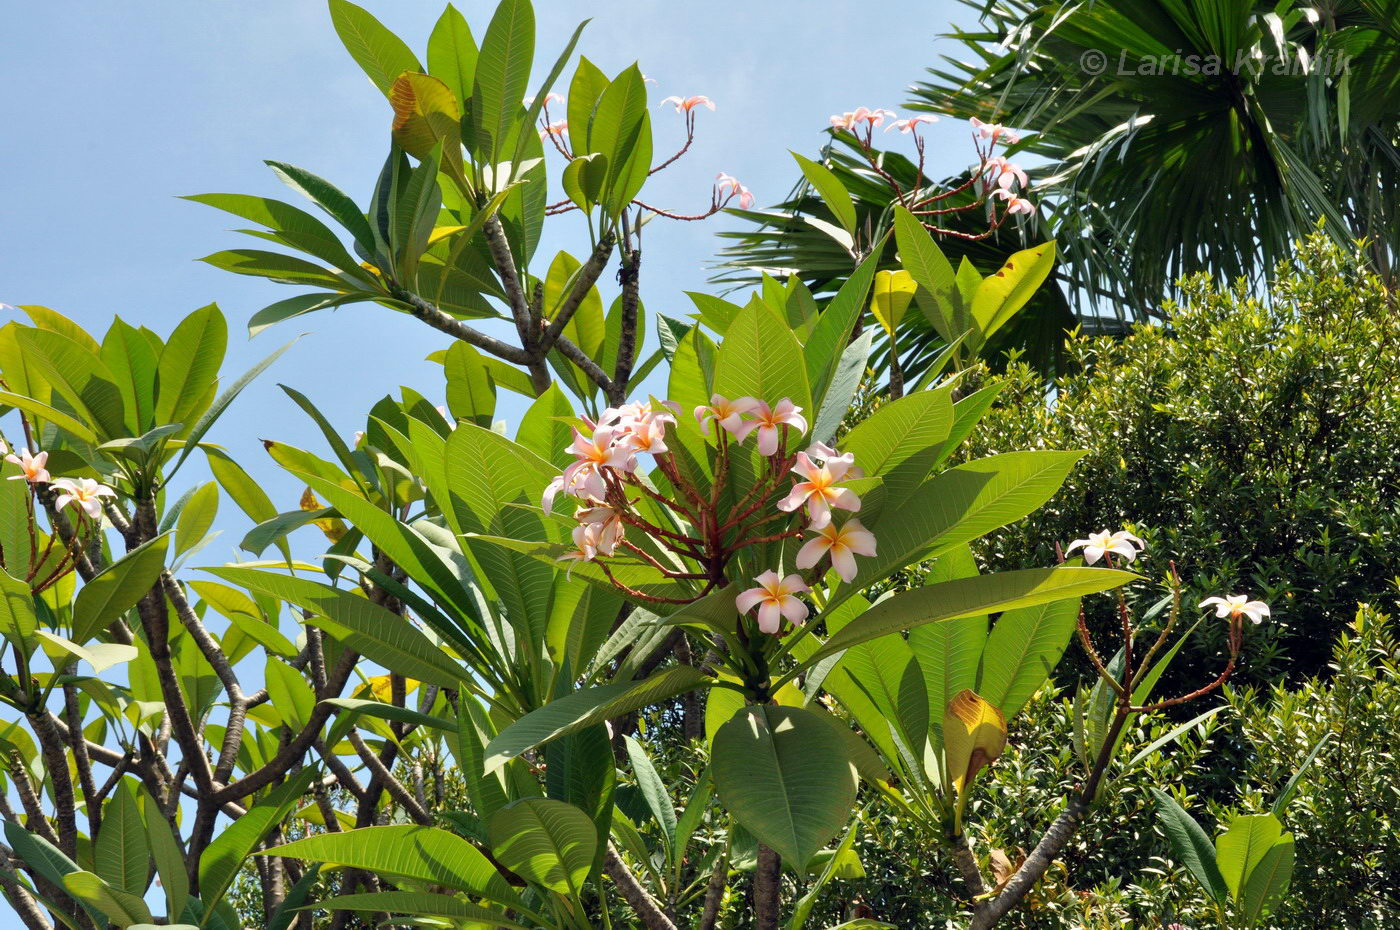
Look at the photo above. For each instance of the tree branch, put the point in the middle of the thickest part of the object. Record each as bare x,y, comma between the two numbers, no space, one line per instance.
647,907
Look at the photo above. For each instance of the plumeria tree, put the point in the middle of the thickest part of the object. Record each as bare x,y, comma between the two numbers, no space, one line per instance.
455,729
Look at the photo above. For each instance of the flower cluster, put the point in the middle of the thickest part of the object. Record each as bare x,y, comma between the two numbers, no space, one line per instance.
83,493
1104,545
604,481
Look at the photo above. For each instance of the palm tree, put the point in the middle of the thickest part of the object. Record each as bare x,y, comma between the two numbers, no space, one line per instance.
1172,137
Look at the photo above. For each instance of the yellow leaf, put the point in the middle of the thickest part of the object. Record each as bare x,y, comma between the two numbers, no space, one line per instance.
893,292
384,690
440,233
426,112
333,527
974,734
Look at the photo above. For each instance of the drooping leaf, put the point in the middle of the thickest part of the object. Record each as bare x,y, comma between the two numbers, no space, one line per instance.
786,777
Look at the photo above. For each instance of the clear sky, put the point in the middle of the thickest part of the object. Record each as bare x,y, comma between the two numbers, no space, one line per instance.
113,110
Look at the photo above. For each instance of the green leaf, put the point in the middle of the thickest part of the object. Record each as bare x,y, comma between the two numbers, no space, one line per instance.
586,707
64,421
117,588
292,225
969,597
169,858
121,907
760,357
584,91
425,854
222,859
17,618
196,517
502,76
832,191
329,198
654,792
845,382
1190,845
362,625
834,326
131,358
1023,649
1268,880
544,429
79,377
1243,846
381,54
551,843
900,441
452,53
120,854
291,696
420,903
922,258
785,776
471,394
960,505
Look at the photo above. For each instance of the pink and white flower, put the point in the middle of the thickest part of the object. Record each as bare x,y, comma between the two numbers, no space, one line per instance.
1005,172
819,491
727,186
767,420
911,124
84,492
584,477
1236,606
729,414
549,98
1121,543
607,527
557,129
643,424
775,599
1014,204
31,466
842,543
851,120
994,132
686,104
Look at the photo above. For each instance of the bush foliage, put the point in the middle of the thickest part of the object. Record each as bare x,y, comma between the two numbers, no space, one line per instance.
1251,440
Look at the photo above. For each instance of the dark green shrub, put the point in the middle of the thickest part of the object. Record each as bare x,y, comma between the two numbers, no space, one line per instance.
1253,441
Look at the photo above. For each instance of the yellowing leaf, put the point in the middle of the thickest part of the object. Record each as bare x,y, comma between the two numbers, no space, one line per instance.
893,292
383,687
440,233
974,734
333,527
1002,294
426,112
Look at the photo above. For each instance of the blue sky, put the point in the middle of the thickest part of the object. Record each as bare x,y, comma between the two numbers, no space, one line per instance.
113,110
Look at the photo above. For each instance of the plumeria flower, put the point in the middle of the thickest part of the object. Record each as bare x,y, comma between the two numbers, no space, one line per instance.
643,424
84,492
584,478
556,129
549,98
729,414
585,549
727,186
994,131
31,466
686,104
1236,606
774,598
911,124
1014,204
607,527
843,543
819,491
1121,543
820,452
767,420
359,438
1007,172
849,121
